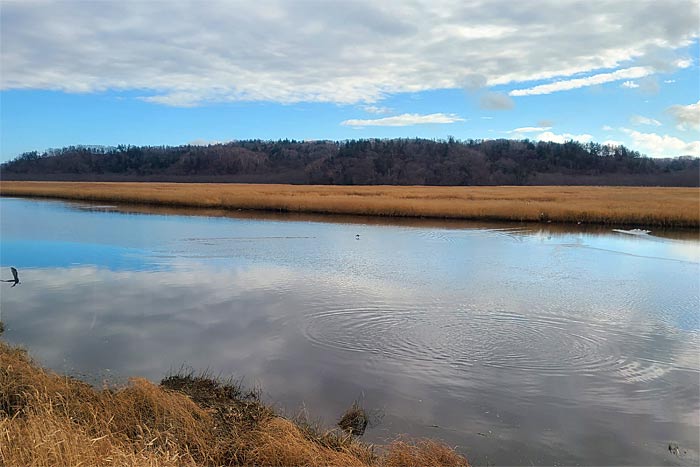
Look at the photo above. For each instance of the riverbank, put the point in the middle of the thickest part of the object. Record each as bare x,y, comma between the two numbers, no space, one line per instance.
633,206
186,420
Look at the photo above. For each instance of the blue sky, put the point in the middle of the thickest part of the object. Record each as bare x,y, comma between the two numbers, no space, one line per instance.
152,73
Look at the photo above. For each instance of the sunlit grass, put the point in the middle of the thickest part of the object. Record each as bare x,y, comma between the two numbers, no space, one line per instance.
645,206
52,420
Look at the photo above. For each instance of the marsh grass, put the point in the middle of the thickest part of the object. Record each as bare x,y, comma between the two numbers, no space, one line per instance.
354,420
638,206
52,420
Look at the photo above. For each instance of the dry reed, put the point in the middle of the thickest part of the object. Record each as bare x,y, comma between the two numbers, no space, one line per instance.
52,420
642,206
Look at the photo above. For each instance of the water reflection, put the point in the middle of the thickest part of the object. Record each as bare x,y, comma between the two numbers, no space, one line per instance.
519,345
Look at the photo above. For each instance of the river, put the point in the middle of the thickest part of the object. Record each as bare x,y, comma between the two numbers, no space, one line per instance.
519,344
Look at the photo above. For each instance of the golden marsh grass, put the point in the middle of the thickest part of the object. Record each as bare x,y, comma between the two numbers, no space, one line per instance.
52,420
643,206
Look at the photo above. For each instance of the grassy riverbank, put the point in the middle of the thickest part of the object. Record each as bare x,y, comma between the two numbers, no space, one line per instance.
52,420
643,206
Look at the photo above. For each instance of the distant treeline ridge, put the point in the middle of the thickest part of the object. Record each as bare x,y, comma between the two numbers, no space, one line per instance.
361,162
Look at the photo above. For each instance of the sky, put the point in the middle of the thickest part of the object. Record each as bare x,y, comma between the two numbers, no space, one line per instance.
154,72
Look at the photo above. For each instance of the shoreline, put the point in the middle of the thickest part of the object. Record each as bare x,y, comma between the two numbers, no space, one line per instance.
619,206
187,419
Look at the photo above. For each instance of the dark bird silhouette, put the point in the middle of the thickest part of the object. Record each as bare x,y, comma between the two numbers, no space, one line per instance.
357,237
16,277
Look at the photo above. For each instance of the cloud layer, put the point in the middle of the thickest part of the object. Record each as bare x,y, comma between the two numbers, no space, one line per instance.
530,129
602,78
663,145
564,137
642,120
405,120
187,53
687,116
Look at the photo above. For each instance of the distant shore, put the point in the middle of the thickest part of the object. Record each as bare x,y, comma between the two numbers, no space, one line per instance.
632,206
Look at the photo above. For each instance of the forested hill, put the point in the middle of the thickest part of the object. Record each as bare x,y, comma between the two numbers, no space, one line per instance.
362,162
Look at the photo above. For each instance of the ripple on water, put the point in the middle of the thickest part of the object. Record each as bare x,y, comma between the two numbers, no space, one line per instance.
451,236
542,344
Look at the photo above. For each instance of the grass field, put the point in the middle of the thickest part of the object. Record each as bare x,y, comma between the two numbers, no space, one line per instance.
52,420
640,206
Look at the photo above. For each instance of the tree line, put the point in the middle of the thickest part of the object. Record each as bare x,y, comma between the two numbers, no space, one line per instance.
362,162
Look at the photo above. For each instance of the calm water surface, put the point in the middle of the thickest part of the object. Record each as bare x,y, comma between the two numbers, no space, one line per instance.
518,344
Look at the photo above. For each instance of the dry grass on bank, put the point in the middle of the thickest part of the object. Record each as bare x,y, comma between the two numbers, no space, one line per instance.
52,420
644,206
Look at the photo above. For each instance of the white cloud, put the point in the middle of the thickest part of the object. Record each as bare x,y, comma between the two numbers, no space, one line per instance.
641,120
648,84
190,53
664,60
562,138
684,63
687,116
659,146
205,142
530,129
405,120
474,81
612,142
601,78
375,109
669,81
607,128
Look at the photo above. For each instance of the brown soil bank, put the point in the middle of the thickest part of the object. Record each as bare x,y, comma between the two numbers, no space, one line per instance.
642,206
52,420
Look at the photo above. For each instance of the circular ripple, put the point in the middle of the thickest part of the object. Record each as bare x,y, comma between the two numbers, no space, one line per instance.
374,328
543,344
498,339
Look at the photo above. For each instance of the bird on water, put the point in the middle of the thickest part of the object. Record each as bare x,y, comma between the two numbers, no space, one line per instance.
16,277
